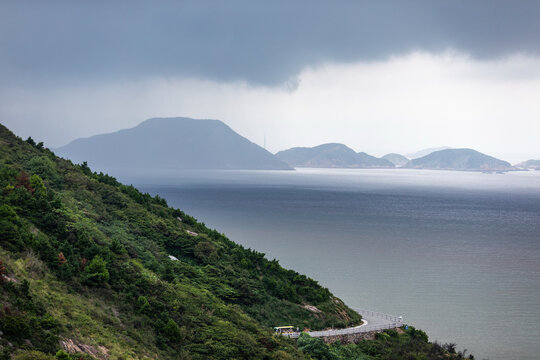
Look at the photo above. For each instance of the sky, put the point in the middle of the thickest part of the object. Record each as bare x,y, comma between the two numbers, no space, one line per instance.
378,76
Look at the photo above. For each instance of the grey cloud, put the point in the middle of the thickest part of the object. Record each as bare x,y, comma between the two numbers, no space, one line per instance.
262,42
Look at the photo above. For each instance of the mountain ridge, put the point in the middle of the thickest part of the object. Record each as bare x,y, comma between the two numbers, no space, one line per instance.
459,159
172,143
529,164
330,155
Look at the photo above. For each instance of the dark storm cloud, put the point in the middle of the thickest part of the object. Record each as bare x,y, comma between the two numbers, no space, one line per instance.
262,42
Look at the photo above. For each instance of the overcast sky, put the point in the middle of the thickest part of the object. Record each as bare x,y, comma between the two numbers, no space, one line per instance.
379,76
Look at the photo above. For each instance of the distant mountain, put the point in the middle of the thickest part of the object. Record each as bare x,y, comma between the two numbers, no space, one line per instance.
172,143
396,159
425,152
459,159
331,155
529,164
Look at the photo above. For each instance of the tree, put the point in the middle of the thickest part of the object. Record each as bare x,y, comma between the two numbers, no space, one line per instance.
31,141
206,251
143,305
37,184
85,168
172,331
314,347
9,227
62,355
44,167
96,272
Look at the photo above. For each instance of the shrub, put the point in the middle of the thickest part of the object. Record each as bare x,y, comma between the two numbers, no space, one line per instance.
142,305
314,347
206,251
37,184
96,272
172,331
16,327
44,167
32,355
62,355
9,227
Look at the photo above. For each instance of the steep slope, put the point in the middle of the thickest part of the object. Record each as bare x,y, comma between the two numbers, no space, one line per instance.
331,155
396,159
95,266
171,143
459,159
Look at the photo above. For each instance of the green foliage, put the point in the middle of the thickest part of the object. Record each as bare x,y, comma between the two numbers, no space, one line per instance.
315,348
62,355
172,331
96,272
9,227
143,306
37,184
91,259
206,252
43,167
107,243
16,327
23,318
31,141
32,355
392,344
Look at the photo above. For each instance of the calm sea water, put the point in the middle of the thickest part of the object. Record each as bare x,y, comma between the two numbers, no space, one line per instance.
457,254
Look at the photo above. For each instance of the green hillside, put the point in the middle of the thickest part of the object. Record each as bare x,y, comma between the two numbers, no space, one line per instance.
94,269
87,260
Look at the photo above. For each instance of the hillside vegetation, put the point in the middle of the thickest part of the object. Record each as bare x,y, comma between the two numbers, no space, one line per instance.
94,269
86,260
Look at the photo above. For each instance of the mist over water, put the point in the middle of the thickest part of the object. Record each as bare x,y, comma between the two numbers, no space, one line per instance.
457,254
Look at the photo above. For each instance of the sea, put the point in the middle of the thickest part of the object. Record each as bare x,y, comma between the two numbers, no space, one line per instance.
457,254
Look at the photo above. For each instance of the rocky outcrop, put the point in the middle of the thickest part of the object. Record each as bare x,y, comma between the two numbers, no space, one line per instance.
97,352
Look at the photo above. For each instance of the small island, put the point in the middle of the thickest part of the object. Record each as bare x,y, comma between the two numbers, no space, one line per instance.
332,155
459,159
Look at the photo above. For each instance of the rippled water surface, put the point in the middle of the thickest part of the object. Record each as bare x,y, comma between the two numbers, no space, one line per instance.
457,254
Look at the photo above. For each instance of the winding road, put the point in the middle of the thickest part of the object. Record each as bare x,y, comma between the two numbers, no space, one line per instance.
372,321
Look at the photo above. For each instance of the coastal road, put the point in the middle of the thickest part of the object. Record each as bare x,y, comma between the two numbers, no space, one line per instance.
373,321
374,318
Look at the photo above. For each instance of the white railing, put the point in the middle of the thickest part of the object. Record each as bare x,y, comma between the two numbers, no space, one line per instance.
395,322
378,315
355,330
